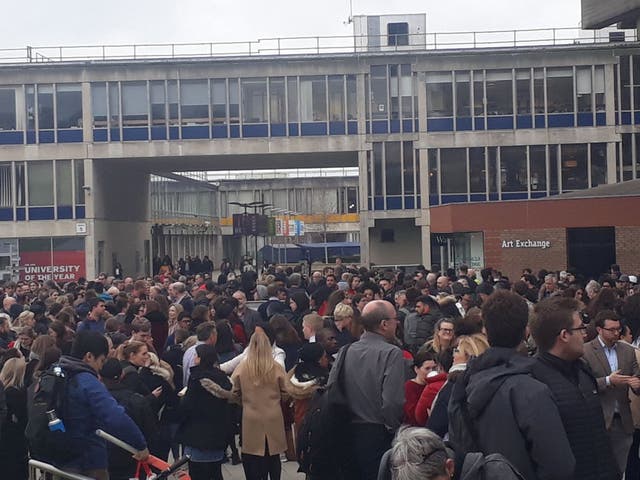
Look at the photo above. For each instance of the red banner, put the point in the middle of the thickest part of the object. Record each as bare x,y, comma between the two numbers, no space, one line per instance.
37,262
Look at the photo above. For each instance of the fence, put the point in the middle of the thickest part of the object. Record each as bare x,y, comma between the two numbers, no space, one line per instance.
40,470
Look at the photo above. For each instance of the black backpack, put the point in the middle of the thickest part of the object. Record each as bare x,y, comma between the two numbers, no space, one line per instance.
477,466
322,445
50,393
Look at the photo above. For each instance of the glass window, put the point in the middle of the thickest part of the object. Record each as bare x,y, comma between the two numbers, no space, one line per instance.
559,90
78,172
99,104
6,186
64,182
69,105
194,102
523,91
292,98
583,87
277,103
513,169
234,101
352,98
377,168
393,168
407,97
538,90
369,173
493,169
172,102
336,98
397,34
135,109
478,93
219,101
416,156
21,189
30,102
254,100
45,107
599,163
158,103
7,109
393,91
432,158
313,99
463,94
574,167
627,157
379,92
40,183
625,82
538,162
352,200
553,168
453,165
439,95
408,168
477,170
114,105
636,81
598,89
499,92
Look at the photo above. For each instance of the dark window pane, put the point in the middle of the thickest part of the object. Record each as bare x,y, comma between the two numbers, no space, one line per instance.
377,168
584,89
499,93
158,101
336,98
433,171
537,158
7,109
439,95
393,168
574,167
453,162
398,34
463,94
477,170
45,107
538,90
379,108
493,169
513,166
625,82
523,91
277,104
254,100
409,172
478,93
553,168
135,108
599,163
559,90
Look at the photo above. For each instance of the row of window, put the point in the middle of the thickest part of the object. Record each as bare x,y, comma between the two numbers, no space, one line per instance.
628,157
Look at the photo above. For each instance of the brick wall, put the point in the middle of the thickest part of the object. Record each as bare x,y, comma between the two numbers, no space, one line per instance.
510,260
628,249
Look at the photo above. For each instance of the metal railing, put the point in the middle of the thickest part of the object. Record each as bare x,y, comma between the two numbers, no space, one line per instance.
313,45
40,470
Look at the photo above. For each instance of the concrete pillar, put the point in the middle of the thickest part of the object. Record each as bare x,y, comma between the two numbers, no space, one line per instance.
424,221
90,245
611,162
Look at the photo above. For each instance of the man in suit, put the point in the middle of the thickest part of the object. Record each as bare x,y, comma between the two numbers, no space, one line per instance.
616,370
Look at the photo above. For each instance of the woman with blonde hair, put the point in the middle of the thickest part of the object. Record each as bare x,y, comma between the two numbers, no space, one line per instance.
174,311
25,319
259,382
13,444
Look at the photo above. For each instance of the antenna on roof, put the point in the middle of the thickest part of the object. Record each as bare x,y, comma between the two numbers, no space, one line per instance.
350,19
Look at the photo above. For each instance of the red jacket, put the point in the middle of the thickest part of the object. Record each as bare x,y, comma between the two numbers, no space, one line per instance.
434,384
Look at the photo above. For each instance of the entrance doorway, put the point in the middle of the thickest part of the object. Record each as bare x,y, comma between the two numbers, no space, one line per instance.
591,250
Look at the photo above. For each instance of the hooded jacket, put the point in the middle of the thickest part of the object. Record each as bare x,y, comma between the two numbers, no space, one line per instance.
89,407
510,413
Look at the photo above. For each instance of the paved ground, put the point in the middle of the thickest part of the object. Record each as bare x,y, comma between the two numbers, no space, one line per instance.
235,472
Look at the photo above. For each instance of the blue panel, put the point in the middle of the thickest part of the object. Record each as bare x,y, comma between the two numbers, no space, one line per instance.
234,131
31,136
540,121
258,130
394,126
515,196
478,123
478,197
46,136
21,213
11,138
434,200
380,126
158,132
493,197
114,134
464,123
6,214
353,128
585,119
41,213
174,133
294,130
394,203
524,121
601,119
278,130
336,128
560,120
454,199
636,118
554,192
626,118
220,131
409,202
65,213
70,135
500,123
135,133
80,211
368,127
315,128
538,194
194,132
100,135
440,125
378,203
407,126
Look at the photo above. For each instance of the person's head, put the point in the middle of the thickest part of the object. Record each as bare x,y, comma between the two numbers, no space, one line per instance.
311,324
608,326
419,453
111,371
26,337
592,289
468,347
423,364
343,315
206,332
90,347
12,373
557,327
379,316
141,330
259,360
5,323
136,353
444,332
184,320
96,308
40,345
442,283
505,315
331,281
550,283
327,338
26,319
240,296
206,355
200,314
177,289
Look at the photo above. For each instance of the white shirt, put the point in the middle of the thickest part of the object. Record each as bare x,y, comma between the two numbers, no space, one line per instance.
231,365
188,360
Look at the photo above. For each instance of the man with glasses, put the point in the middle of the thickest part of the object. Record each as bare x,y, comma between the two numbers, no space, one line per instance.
616,370
559,333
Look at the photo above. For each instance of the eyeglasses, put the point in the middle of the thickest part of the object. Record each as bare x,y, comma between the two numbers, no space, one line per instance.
581,328
612,329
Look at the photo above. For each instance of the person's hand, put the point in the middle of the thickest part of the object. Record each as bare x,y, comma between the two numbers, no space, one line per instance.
634,383
157,392
142,455
617,380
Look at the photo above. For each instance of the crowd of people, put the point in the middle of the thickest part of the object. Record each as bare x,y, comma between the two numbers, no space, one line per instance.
440,370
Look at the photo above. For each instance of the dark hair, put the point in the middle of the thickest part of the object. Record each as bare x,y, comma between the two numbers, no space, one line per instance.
141,325
551,316
180,335
424,356
208,355
205,330
505,316
520,288
88,341
94,302
50,356
605,315
223,308
268,330
285,333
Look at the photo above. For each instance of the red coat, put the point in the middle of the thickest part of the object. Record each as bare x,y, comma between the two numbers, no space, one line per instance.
434,384
412,392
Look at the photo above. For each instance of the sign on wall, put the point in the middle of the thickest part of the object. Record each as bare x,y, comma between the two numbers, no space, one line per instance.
59,259
543,244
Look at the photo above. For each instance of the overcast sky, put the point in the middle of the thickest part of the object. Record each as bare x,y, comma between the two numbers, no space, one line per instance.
91,22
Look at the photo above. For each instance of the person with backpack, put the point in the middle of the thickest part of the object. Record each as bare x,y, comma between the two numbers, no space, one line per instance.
70,404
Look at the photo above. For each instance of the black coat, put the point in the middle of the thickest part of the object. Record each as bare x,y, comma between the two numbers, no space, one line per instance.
206,419
13,444
576,394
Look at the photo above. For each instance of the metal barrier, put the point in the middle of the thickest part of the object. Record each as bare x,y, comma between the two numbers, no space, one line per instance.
40,471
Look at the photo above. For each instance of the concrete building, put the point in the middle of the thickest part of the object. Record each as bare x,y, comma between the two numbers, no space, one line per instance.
479,118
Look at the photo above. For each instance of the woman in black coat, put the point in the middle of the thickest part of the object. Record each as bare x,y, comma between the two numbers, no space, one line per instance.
13,444
206,424
299,304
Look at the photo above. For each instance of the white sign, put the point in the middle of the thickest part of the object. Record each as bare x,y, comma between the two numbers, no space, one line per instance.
81,228
543,244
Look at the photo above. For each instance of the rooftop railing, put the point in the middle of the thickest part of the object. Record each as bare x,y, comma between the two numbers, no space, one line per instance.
316,45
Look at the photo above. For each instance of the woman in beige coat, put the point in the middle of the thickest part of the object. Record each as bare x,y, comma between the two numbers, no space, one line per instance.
260,383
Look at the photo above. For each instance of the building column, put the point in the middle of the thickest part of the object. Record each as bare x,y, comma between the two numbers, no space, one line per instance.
424,220
612,166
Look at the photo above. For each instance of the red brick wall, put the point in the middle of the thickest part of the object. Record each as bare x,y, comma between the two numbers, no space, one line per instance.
511,261
628,249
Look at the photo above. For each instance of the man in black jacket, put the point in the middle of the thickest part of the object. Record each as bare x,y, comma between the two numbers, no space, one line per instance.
498,407
559,333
